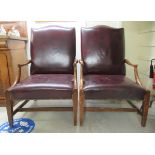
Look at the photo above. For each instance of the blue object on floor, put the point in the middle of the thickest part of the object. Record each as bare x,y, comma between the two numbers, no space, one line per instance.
21,125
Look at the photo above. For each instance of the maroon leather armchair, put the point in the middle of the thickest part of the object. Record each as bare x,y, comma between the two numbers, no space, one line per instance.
103,72
52,72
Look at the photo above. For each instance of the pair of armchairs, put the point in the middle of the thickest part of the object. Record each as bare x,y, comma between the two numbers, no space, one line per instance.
53,72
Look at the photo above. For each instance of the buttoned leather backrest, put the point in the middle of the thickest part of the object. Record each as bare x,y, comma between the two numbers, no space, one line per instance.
52,50
102,50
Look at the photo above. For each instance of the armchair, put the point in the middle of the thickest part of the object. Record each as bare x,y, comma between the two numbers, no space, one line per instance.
103,72
52,72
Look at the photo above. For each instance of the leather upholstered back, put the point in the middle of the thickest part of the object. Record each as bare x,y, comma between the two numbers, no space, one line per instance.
52,50
103,50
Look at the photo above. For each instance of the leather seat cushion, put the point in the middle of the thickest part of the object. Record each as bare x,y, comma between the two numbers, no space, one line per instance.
44,86
111,87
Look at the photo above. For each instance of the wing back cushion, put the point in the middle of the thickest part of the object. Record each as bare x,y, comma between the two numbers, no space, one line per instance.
52,50
103,50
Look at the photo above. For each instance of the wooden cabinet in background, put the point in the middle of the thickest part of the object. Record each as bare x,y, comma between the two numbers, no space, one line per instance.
12,53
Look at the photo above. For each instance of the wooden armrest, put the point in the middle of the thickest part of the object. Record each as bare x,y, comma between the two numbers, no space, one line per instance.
129,63
135,66
21,65
75,62
19,72
80,62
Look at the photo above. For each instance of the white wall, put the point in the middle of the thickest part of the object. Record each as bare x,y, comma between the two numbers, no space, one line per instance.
116,24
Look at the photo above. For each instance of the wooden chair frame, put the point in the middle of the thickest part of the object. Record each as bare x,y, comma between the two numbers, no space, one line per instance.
143,111
9,102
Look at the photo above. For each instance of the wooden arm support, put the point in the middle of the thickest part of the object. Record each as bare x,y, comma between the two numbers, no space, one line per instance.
19,72
135,72
81,74
75,73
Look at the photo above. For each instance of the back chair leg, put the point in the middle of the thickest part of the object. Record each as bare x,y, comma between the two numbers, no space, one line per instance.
9,107
75,101
82,99
145,108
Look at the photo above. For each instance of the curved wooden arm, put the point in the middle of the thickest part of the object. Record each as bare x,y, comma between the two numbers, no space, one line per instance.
135,72
21,65
81,74
75,73
129,63
19,72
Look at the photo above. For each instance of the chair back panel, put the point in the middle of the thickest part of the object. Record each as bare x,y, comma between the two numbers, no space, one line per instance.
103,50
52,50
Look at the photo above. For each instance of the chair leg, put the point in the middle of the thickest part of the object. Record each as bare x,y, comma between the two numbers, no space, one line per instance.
9,107
75,101
145,108
82,99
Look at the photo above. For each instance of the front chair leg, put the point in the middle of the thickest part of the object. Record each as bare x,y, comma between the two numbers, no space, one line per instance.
9,107
82,99
145,108
75,101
